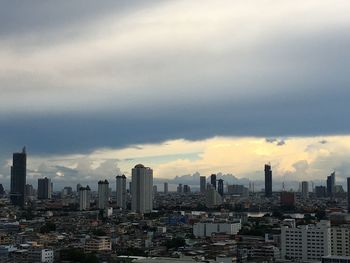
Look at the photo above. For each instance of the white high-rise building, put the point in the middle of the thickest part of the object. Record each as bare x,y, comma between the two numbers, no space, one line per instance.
166,190
121,191
306,242
84,198
304,190
103,194
203,184
142,189
340,236
206,229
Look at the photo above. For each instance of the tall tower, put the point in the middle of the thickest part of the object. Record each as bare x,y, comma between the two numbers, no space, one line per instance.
268,180
203,184
84,198
166,188
330,185
142,187
305,189
44,188
18,177
121,191
348,181
103,194
213,180
221,187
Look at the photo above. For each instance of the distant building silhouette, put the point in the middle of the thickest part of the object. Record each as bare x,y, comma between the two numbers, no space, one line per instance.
320,191
221,187
203,184
268,180
142,189
331,185
103,194
166,190
84,198
287,198
121,191
44,188
2,190
18,178
305,190
348,181
187,189
213,180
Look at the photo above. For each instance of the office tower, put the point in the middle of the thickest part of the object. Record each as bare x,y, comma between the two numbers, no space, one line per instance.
340,240
103,194
18,177
142,184
287,198
166,188
331,185
268,180
187,189
304,190
320,191
78,187
237,189
203,183
155,190
84,198
44,188
130,186
213,180
2,191
305,243
121,191
348,181
212,197
221,187
179,188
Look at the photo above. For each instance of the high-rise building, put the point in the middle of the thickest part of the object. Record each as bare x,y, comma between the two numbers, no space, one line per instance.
221,187
121,191
203,184
187,189
142,184
237,189
28,190
155,190
166,188
2,190
44,188
331,185
179,188
320,191
103,194
268,180
212,197
84,198
287,198
348,182
78,187
18,177
213,180
304,190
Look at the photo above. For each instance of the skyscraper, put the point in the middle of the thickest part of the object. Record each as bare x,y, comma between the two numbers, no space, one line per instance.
348,181
121,191
2,191
213,180
221,187
304,189
142,187
103,194
268,180
18,177
44,188
331,185
203,184
84,198
166,188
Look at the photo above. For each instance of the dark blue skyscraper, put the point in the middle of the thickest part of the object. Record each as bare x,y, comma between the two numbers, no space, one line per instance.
268,180
221,187
18,178
213,180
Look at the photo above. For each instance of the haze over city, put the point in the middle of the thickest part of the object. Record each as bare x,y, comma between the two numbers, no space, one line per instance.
183,86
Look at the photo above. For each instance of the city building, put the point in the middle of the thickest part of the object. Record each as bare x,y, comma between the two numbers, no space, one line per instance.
166,190
320,191
340,240
304,190
221,187
28,190
121,191
287,198
179,189
142,183
305,242
155,190
212,197
213,180
335,259
84,198
203,184
237,189
103,194
206,229
268,180
187,189
331,185
78,187
2,190
41,255
44,188
348,193
18,177
98,244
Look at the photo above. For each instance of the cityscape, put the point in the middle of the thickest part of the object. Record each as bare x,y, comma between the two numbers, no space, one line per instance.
174,131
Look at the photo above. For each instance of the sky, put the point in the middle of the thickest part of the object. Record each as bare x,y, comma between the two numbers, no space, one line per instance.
186,87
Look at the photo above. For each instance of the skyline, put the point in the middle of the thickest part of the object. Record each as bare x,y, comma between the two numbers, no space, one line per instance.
181,86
